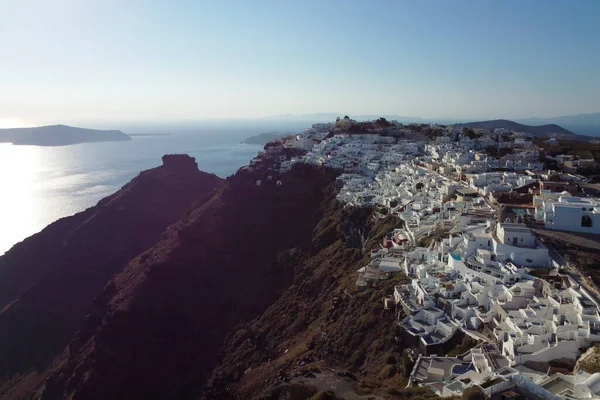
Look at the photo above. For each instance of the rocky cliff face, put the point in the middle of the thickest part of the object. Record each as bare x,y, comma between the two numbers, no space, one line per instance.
232,296
48,281
157,329
251,286
319,322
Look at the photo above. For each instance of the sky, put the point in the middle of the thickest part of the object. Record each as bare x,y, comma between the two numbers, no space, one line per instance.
64,61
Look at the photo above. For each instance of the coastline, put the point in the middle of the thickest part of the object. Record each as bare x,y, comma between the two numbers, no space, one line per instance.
60,181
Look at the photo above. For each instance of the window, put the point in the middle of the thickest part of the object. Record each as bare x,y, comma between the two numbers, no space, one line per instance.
586,221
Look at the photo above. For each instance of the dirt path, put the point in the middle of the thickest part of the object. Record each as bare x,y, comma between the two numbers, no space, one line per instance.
342,386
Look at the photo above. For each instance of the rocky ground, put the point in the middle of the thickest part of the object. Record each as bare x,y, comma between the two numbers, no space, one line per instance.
580,252
589,361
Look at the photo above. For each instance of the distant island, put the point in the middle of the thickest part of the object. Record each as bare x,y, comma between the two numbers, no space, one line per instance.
549,130
265,138
59,135
583,124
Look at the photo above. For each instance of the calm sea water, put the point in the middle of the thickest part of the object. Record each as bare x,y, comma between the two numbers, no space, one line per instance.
42,184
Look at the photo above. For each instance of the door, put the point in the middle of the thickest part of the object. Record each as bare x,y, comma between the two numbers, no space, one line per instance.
515,241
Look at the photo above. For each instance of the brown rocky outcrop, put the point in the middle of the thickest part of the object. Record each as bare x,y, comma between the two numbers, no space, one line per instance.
48,281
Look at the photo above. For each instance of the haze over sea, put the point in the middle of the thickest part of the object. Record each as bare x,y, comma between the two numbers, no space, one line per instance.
43,184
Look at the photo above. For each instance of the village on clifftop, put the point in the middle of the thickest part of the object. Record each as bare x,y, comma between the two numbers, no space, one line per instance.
485,275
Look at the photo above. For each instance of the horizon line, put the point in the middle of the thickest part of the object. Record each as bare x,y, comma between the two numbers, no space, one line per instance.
15,123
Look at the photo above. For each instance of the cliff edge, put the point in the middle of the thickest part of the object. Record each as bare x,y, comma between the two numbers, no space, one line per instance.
48,281
250,290
239,289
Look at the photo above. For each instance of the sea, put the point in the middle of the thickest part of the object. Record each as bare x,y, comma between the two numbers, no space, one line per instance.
39,185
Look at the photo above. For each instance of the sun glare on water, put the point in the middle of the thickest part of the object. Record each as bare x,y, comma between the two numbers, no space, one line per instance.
18,165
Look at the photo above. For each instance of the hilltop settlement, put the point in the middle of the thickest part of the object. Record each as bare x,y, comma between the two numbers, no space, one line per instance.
357,260
474,211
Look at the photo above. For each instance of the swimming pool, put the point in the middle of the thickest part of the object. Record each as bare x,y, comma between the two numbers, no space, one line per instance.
460,369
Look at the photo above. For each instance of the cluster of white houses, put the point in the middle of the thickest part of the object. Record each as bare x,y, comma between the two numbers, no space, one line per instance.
479,278
478,282
415,178
485,368
562,211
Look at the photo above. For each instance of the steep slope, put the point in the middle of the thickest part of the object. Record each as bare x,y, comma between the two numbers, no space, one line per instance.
156,330
247,284
59,135
320,323
540,131
48,281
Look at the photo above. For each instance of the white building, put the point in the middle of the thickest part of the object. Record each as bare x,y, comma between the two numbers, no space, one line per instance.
569,213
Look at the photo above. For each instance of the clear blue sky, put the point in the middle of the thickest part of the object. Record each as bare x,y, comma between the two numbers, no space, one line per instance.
75,60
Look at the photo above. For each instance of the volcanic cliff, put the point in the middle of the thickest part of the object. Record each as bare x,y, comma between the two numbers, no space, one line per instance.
247,293
233,295
156,330
48,281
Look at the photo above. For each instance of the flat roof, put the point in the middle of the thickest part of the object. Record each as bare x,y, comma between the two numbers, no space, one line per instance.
586,302
501,361
557,385
430,368
515,227
466,190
